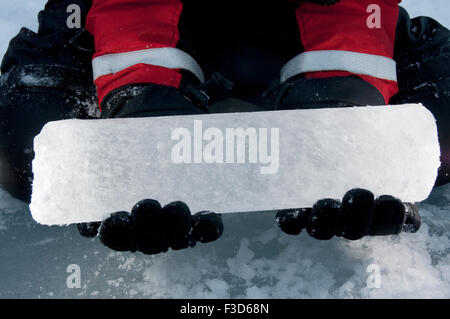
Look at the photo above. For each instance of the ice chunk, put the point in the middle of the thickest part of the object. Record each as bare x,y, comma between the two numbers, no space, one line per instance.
87,169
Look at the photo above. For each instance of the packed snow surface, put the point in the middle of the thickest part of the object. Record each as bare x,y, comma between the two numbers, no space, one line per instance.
85,170
253,258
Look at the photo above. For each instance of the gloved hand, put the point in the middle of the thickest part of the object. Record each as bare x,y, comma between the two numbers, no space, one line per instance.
358,215
149,228
152,229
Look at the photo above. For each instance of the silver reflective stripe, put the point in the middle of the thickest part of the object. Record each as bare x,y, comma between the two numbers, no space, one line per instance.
333,60
171,58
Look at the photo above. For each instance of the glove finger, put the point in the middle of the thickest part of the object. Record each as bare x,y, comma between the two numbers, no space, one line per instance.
357,213
207,226
179,222
88,230
117,232
291,221
324,218
389,216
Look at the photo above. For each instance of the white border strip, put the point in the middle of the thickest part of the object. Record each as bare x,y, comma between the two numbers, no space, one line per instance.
334,60
171,58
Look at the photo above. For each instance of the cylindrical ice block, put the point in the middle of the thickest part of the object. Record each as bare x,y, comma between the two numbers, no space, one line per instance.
235,162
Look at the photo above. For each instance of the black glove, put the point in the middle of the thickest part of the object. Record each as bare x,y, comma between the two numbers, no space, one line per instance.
358,215
152,229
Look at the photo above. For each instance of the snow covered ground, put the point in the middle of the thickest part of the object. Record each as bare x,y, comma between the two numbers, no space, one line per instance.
252,260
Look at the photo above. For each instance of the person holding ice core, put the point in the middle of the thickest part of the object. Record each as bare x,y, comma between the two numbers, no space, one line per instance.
145,58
